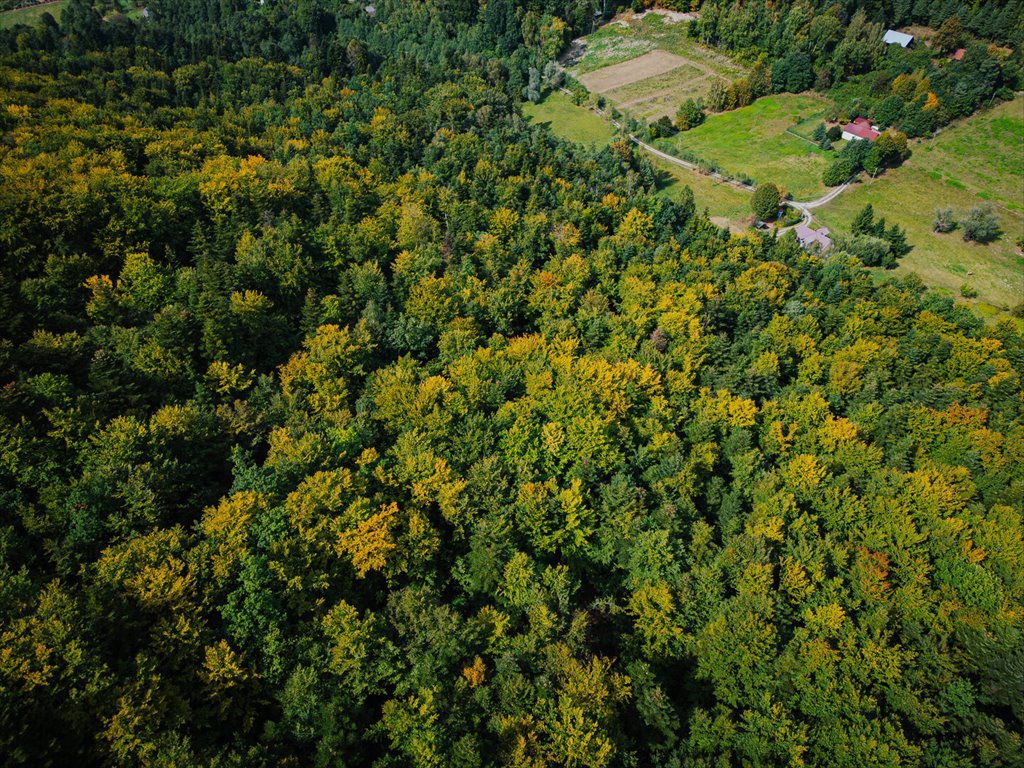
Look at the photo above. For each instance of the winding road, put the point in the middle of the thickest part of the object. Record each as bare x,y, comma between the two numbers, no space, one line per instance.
805,207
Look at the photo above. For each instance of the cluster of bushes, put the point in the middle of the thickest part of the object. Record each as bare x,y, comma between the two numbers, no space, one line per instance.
742,92
826,137
540,80
689,115
661,128
766,201
978,224
887,151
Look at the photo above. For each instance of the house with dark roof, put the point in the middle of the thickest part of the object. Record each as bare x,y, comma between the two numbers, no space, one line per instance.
813,238
860,129
903,40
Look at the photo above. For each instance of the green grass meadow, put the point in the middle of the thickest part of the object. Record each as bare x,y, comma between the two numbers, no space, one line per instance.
753,142
629,37
726,205
983,154
979,159
568,121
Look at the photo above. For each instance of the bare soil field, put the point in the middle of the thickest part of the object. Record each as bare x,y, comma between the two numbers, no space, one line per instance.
647,64
628,72
642,90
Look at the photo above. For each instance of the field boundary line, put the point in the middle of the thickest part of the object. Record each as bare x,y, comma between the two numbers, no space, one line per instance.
801,137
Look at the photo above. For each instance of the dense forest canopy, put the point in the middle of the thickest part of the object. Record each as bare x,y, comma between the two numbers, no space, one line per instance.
1000,20
347,419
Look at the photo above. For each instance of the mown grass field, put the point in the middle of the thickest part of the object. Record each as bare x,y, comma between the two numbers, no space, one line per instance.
31,15
568,121
945,262
753,142
979,159
648,65
983,154
726,205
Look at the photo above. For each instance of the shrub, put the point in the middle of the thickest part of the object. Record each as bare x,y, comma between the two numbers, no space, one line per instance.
689,115
888,110
968,292
864,222
980,224
793,73
855,152
944,221
661,127
717,96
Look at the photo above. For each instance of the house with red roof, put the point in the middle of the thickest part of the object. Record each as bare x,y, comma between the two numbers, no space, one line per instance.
860,129
958,54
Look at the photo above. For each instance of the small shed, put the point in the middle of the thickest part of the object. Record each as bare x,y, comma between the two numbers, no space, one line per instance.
860,129
813,237
903,40
958,54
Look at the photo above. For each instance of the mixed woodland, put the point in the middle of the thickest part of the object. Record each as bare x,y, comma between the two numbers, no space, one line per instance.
841,52
348,419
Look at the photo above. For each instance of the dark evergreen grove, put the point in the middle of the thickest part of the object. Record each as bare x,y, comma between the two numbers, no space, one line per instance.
346,419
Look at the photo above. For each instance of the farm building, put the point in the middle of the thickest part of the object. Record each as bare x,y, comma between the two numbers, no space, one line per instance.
898,38
810,237
860,129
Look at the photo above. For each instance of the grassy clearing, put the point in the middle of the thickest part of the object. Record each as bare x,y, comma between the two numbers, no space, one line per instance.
976,160
805,128
726,205
30,16
568,121
652,64
983,154
628,52
667,101
907,196
753,142
628,37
